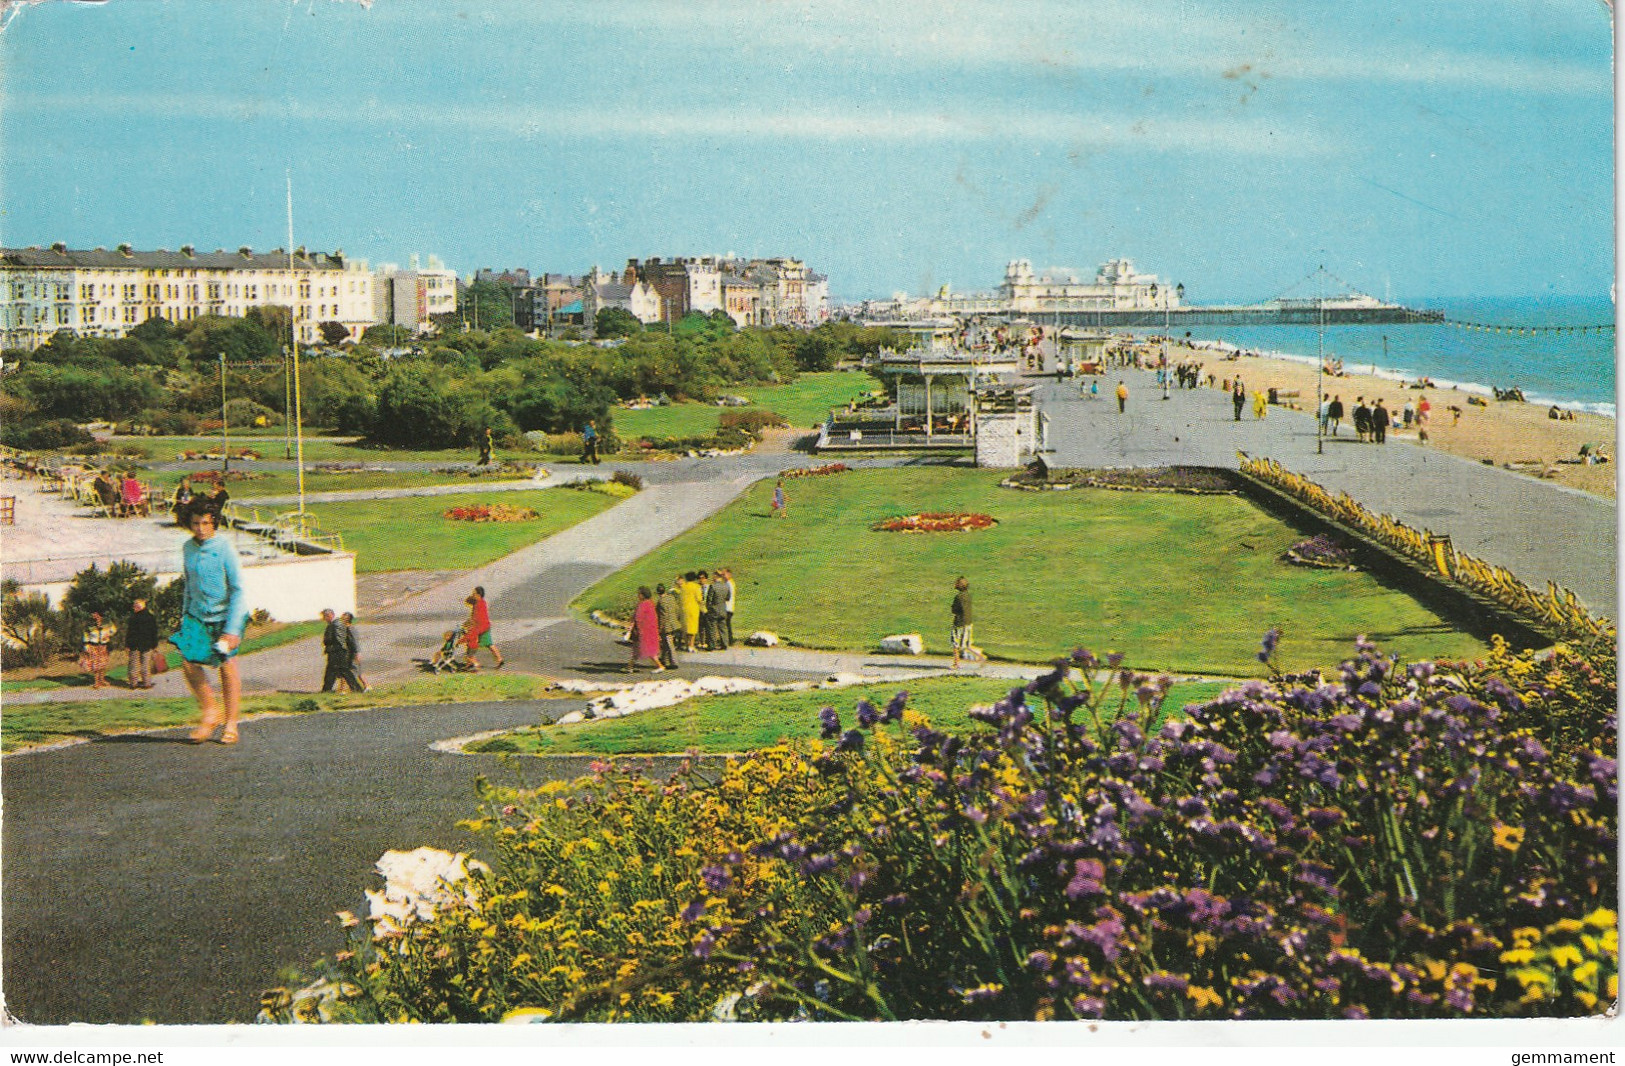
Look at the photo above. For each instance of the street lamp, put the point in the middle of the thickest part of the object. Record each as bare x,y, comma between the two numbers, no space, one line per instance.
1320,368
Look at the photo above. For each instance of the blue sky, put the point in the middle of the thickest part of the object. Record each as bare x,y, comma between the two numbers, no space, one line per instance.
1449,148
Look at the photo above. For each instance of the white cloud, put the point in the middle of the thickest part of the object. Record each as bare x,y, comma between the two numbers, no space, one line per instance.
1036,126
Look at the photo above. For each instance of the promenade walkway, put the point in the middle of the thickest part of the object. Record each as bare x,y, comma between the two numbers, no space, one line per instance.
1540,531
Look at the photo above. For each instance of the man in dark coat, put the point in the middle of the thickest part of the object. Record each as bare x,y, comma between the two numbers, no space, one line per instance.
1334,413
338,644
1379,423
1362,418
140,637
669,615
715,622
1238,398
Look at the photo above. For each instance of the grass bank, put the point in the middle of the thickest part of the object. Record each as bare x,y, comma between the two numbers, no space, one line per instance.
747,721
1181,583
410,533
803,402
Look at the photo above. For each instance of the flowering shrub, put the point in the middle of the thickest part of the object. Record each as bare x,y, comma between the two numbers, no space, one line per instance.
816,471
491,512
1193,480
935,522
1392,841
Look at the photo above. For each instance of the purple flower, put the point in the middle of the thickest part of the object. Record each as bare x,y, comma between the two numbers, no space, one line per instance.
867,714
829,723
1087,875
894,708
1040,961
692,912
705,945
1089,1007
1163,981
818,864
717,878
851,740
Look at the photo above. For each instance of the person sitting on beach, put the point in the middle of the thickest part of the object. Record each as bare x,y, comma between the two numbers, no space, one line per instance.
1553,412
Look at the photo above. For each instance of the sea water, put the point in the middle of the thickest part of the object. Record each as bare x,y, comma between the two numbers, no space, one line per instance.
1570,369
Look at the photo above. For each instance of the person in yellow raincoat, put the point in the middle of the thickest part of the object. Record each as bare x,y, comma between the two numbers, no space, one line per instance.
691,594
1261,403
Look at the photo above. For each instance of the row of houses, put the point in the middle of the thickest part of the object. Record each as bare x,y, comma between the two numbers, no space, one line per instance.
753,292
106,293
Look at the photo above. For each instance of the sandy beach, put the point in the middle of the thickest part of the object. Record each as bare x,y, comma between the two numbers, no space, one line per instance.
1519,436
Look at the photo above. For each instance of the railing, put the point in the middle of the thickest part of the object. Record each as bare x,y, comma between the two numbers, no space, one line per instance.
1557,610
294,531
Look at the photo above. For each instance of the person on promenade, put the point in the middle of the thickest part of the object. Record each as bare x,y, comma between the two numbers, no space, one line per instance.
336,646
1122,396
1379,422
180,505
1324,416
669,617
692,598
140,641
477,633
1408,415
98,641
1424,411
962,623
1335,413
645,632
132,497
213,618
1261,404
716,613
486,446
728,608
214,501
355,648
1238,398
705,637
589,444
1362,419
778,499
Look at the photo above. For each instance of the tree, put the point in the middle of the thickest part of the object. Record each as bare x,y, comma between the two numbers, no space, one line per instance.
387,336
334,333
486,305
616,322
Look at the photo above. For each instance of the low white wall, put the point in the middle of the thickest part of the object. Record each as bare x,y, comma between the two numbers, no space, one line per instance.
293,588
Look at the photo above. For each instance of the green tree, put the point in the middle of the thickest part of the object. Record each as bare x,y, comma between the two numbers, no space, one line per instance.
486,305
334,333
616,322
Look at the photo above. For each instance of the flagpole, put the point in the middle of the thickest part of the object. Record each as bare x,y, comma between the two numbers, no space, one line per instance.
293,329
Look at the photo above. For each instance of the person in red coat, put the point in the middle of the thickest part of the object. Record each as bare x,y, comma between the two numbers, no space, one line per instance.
645,632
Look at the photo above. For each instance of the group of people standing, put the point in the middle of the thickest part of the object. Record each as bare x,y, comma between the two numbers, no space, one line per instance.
695,614
1372,421
188,499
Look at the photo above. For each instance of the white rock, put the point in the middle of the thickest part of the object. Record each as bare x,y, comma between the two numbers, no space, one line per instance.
762,639
902,644
571,719
416,884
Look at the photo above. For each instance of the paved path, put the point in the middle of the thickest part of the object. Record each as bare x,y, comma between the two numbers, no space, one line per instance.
149,879
1540,531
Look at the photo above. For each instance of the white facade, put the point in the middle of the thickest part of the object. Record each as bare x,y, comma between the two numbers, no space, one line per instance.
1116,287
99,293
414,296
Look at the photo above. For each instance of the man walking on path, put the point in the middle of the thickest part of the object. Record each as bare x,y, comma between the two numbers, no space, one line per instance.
1362,419
348,621
728,616
486,445
1379,423
961,632
140,637
589,444
1122,396
336,645
1238,398
1335,413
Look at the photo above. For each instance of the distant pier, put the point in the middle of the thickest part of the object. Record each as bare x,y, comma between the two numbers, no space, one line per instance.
1271,314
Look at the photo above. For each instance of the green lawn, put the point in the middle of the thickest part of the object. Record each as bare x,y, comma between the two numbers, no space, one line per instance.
30,724
804,402
1181,583
286,482
256,639
409,533
745,721
166,449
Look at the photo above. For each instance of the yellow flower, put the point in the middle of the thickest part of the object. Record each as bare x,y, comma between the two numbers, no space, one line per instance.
1508,836
1603,918
1517,956
1586,973
1567,955
1203,997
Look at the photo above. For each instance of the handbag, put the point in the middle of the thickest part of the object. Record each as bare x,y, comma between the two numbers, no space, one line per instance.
159,662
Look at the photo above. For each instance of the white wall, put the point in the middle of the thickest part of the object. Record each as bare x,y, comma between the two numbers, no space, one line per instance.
293,588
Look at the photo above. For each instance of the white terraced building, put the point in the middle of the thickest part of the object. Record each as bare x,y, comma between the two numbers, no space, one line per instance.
101,293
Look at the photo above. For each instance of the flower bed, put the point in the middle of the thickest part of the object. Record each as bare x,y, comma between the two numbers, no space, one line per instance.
1319,551
816,471
491,512
1392,841
936,522
235,453
1195,480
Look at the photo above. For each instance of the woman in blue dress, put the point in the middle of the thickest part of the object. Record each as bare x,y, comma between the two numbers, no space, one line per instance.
213,618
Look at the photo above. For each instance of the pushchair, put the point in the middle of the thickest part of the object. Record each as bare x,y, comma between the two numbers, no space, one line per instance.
445,660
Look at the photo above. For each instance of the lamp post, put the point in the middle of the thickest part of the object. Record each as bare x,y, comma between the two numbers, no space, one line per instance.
1320,369
225,438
